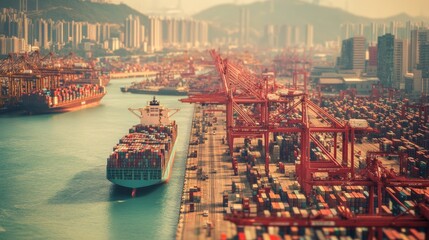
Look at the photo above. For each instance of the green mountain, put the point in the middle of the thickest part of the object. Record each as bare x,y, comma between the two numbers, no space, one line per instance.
326,20
76,10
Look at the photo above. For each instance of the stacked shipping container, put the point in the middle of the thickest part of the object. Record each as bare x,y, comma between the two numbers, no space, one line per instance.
145,147
57,96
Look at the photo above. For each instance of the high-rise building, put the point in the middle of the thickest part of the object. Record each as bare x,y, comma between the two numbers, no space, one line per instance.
373,33
76,34
368,34
114,44
372,53
399,63
408,28
132,32
424,59
51,25
54,35
371,68
3,45
417,38
346,31
244,25
386,44
58,35
359,30
309,36
170,32
14,23
68,32
41,33
193,33
89,31
353,54
424,67
393,28
24,23
402,30
381,30
296,36
269,34
23,5
103,32
175,31
12,45
421,72
203,33
183,32
285,36
154,34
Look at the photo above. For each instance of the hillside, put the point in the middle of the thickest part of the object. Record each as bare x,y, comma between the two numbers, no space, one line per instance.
326,20
76,10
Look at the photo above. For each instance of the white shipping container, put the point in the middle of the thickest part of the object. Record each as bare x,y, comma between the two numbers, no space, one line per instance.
358,123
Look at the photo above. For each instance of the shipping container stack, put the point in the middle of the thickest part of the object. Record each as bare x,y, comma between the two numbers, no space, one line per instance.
395,134
194,196
58,96
290,151
144,148
284,148
274,197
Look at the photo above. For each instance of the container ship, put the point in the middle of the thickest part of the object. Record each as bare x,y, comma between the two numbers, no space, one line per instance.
145,156
161,85
65,99
175,91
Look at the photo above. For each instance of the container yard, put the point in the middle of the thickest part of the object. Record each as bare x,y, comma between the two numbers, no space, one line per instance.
266,162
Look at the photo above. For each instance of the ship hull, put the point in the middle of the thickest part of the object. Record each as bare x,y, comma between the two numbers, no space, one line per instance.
77,104
156,92
147,183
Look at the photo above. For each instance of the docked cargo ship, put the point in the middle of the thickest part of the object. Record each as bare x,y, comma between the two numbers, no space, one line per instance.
65,99
161,85
145,156
175,91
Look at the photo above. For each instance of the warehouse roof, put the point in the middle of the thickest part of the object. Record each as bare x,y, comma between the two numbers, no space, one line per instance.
331,81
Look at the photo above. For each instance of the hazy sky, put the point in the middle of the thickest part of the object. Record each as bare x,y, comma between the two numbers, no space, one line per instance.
368,8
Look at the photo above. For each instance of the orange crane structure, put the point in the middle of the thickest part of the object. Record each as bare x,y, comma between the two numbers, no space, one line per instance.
291,64
256,107
422,108
377,91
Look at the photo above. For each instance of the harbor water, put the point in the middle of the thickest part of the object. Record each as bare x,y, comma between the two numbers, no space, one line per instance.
53,174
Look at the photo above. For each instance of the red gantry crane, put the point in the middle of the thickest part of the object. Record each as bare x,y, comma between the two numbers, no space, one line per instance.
255,107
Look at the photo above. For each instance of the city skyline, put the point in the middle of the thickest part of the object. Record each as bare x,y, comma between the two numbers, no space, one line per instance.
360,8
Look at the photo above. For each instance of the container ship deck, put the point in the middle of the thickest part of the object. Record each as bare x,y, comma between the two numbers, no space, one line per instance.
145,156
66,99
